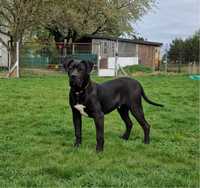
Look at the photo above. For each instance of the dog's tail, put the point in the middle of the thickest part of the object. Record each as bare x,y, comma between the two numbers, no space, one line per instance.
149,101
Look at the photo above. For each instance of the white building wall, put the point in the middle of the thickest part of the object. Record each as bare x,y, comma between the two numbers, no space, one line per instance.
3,51
106,72
121,61
128,54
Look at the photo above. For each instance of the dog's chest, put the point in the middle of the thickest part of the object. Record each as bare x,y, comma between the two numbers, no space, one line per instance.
82,104
85,109
81,108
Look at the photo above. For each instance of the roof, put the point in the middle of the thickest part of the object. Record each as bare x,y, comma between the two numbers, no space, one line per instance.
136,41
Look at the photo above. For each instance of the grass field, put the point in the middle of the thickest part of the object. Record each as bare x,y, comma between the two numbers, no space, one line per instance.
36,138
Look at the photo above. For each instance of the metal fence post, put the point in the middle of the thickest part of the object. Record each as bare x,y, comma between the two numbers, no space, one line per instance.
189,68
9,61
73,48
116,57
98,58
17,58
166,64
166,52
194,68
65,48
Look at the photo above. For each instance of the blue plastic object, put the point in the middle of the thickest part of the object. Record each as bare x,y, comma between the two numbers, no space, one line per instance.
195,77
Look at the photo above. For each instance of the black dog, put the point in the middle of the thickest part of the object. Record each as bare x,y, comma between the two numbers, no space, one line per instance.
95,100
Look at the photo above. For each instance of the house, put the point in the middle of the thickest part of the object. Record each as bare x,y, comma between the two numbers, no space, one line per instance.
4,54
124,51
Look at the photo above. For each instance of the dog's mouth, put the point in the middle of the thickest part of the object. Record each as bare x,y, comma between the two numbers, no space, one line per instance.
76,83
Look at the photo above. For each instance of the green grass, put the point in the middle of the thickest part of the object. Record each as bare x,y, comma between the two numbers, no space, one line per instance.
137,68
36,138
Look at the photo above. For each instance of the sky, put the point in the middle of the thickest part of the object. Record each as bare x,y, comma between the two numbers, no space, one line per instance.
170,19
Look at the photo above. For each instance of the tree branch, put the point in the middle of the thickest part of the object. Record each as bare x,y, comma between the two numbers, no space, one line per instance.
5,16
3,25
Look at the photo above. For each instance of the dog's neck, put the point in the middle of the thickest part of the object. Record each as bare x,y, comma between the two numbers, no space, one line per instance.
80,95
83,88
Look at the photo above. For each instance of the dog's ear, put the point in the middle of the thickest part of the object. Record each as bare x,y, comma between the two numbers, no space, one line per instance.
66,63
89,66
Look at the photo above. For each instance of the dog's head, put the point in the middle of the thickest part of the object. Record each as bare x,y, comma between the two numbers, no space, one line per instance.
78,71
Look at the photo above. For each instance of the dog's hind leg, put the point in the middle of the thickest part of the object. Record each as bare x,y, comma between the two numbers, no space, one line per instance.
138,113
123,111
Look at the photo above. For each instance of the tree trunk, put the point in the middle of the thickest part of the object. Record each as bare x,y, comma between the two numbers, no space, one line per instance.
13,54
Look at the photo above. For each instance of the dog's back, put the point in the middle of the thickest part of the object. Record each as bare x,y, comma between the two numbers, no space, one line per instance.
115,93
121,91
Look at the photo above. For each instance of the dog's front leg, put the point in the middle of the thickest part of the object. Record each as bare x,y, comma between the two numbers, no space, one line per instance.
99,123
77,127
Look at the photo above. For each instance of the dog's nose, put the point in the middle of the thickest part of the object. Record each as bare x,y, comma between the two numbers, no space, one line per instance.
73,77
74,74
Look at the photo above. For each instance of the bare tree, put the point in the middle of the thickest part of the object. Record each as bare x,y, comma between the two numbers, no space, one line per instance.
16,18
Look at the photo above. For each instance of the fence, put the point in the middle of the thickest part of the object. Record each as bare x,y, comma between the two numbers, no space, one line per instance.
3,72
34,55
9,60
190,68
49,55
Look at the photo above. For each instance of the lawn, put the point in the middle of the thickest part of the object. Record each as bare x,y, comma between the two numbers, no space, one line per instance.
36,138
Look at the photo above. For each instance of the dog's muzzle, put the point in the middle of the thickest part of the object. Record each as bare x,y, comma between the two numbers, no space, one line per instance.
75,82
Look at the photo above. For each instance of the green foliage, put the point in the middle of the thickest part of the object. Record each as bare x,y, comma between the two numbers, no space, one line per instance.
72,19
137,68
176,49
37,137
185,51
18,16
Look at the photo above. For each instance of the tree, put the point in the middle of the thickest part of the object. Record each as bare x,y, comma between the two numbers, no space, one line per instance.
16,18
71,19
195,49
185,51
176,50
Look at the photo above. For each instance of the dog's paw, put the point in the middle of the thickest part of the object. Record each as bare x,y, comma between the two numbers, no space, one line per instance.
147,142
99,150
124,137
77,144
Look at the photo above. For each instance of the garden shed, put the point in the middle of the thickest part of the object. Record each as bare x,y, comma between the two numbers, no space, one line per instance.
128,52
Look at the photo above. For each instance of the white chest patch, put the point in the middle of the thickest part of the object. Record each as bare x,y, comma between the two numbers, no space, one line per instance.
80,108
